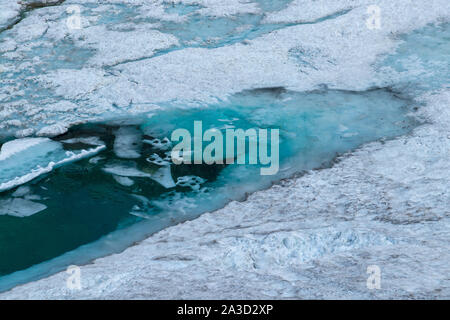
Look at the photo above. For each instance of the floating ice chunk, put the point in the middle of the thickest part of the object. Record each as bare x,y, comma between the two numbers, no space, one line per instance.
156,159
20,207
21,191
163,144
32,197
23,160
124,181
192,182
126,170
96,160
164,177
128,144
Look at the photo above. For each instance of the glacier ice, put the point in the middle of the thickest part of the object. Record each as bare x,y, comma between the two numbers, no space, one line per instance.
310,236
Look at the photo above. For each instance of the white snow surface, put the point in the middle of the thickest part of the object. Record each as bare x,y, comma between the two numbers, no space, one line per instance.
9,12
312,236
338,46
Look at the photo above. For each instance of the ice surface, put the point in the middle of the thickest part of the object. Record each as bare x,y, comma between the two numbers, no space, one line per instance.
9,12
164,176
20,207
156,159
161,175
136,83
126,170
125,181
312,236
192,182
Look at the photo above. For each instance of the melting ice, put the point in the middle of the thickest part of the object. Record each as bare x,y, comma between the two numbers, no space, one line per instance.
108,176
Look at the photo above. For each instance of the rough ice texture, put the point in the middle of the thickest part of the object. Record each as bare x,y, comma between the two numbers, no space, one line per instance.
224,8
9,12
385,204
135,80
